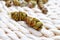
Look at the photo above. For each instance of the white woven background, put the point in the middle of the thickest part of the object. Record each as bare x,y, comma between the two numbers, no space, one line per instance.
11,30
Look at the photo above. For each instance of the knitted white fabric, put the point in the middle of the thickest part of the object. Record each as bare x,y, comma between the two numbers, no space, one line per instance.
12,30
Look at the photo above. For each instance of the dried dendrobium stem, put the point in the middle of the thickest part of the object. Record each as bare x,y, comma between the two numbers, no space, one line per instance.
29,3
32,22
40,4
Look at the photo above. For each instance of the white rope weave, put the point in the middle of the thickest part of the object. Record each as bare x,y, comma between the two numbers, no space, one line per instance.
12,30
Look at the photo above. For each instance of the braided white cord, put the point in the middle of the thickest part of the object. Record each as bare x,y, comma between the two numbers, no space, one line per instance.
11,30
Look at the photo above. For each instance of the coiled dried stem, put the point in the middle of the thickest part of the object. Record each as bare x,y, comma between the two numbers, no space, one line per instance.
30,3
40,4
32,22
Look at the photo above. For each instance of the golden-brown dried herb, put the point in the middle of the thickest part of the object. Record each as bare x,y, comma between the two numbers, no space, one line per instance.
40,4
32,22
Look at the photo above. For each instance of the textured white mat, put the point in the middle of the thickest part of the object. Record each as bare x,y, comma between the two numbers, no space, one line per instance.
11,30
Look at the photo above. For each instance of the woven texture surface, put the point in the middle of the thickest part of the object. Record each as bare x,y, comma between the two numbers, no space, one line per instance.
12,30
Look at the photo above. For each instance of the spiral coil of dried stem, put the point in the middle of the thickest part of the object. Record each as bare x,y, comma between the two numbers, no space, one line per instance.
31,4
33,22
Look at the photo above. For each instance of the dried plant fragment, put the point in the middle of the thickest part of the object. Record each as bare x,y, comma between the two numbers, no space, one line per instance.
22,15
32,4
32,22
14,16
40,4
16,2
29,3
45,1
44,10
28,20
8,3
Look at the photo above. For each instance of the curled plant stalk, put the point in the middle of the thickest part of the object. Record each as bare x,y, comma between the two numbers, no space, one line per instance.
32,22
29,3
40,4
